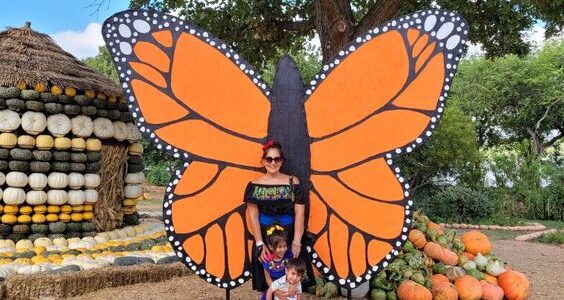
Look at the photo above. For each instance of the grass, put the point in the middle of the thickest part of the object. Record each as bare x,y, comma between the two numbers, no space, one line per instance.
556,238
502,234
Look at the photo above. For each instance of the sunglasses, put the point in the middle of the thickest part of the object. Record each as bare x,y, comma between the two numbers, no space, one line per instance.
270,160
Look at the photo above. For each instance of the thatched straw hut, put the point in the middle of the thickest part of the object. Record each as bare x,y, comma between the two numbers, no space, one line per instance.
69,152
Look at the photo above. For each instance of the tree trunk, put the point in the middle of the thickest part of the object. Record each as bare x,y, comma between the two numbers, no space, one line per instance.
335,24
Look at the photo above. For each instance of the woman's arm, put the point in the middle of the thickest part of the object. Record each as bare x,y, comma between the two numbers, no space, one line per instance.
299,211
252,210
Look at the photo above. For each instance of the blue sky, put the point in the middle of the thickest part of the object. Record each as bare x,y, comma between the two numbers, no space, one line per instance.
76,27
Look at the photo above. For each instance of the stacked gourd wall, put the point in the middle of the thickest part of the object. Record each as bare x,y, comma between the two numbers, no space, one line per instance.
50,157
133,180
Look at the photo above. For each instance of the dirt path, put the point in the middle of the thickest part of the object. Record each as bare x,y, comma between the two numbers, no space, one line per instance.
543,264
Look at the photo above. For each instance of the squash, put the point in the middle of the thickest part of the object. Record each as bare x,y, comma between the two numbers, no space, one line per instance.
11,209
88,207
62,143
25,210
78,144
454,272
77,167
21,154
52,217
76,217
87,216
9,92
63,217
57,227
8,140
92,156
40,209
133,134
100,112
136,149
26,141
88,110
9,120
66,209
91,181
71,109
70,91
81,100
34,106
43,142
24,245
41,155
515,285
490,291
476,242
103,128
139,177
24,219
61,155
39,166
77,208
90,196
59,125
134,191
438,252
37,181
53,209
438,278
60,166
93,144
444,291
54,108
57,180
78,157
38,218
15,104
93,167
13,196
36,197
5,153
129,202
56,90
468,288
34,122
76,197
410,290
490,279
57,197
90,94
76,180
82,126
40,87
9,219
114,114
16,179
121,131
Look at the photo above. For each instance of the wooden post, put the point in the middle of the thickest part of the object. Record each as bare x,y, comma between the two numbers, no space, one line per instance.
227,294
349,294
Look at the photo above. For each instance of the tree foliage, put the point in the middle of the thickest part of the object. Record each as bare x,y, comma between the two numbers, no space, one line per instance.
103,63
512,98
259,29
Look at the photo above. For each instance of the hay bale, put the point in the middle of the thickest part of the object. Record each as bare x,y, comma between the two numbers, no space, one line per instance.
108,215
57,286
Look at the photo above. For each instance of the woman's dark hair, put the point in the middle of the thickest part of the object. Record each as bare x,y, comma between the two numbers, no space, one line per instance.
297,264
272,145
275,235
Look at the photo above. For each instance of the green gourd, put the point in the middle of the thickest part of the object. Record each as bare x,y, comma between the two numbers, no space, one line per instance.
57,227
15,104
18,165
54,108
39,166
9,92
35,105
21,154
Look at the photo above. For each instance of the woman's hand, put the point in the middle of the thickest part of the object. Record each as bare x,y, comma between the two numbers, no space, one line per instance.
282,295
293,290
296,248
264,253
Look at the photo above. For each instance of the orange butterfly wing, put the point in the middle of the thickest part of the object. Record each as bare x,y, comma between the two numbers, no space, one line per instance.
384,92
193,97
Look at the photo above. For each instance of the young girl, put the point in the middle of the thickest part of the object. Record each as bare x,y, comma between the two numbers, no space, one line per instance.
275,263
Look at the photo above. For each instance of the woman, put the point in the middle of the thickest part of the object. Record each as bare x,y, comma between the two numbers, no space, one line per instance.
276,198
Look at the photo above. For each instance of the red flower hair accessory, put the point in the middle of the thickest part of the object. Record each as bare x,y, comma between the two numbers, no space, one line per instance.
268,144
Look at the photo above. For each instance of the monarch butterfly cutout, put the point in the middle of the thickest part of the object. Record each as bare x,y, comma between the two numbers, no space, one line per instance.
195,98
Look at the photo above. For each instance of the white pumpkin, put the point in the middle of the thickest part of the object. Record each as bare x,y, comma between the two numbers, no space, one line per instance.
2,178
57,197
37,181
113,235
76,180
7,244
60,242
24,244
91,180
13,196
76,197
132,191
59,125
6,271
121,132
16,179
57,180
129,231
36,197
101,238
133,133
90,196
43,241
9,120
33,122
103,128
121,234
134,178
29,269
82,126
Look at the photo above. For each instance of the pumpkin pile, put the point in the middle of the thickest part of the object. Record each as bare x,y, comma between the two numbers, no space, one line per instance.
50,152
144,243
435,263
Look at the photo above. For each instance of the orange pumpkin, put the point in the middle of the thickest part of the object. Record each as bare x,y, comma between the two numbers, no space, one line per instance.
444,291
411,290
438,252
468,288
417,238
438,278
515,285
468,255
438,228
490,279
490,291
476,242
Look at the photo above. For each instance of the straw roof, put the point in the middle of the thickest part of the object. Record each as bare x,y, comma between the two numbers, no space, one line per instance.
32,57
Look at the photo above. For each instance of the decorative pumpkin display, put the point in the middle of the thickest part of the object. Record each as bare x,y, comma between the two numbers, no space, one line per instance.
91,181
57,180
13,196
76,197
438,252
62,143
57,197
411,290
37,181
93,144
76,180
468,288
121,131
133,135
16,179
43,142
415,236
8,140
90,196
490,291
59,125
82,126
476,242
26,141
133,191
454,272
515,285
78,144
9,120
103,128
34,123
136,149
444,291
36,197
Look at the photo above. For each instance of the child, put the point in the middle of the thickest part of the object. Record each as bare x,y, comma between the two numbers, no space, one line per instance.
275,265
295,269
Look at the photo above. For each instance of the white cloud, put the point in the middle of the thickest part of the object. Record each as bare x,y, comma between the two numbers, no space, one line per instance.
83,43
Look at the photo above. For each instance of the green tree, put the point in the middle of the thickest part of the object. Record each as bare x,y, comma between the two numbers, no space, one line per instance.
103,63
512,98
260,28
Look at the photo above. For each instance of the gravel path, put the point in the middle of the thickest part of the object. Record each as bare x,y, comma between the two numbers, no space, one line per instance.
543,265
